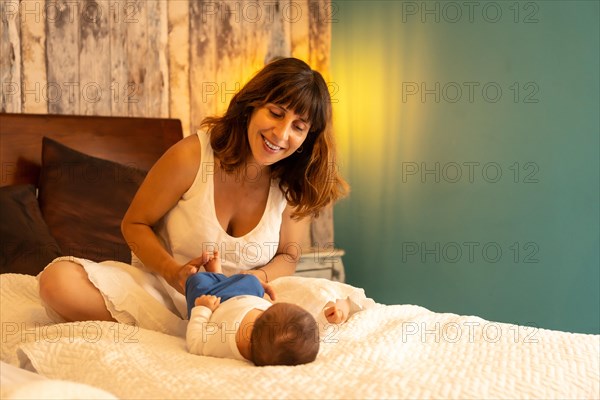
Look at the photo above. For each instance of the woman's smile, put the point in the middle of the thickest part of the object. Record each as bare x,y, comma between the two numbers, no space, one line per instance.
271,146
274,133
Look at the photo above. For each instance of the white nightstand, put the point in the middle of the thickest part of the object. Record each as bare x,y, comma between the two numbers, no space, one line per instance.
322,263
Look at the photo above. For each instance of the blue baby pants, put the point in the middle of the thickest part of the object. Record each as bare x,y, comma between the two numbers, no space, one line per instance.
221,286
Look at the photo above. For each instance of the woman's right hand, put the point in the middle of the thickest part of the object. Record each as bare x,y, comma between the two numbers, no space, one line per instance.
178,277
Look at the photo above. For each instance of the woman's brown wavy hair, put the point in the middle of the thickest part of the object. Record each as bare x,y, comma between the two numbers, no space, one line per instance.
309,179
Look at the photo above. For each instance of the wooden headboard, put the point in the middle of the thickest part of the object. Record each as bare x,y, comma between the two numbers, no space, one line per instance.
137,142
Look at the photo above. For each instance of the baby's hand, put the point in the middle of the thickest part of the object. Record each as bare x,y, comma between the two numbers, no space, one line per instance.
209,301
333,315
337,313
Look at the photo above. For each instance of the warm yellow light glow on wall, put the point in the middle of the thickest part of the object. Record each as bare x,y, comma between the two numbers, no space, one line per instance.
370,115
413,116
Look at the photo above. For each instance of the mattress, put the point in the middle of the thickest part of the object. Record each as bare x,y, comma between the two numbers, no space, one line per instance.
385,351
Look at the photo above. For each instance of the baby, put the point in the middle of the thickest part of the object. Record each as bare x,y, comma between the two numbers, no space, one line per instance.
232,317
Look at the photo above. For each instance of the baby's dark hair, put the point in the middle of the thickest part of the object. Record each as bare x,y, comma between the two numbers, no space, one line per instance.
285,334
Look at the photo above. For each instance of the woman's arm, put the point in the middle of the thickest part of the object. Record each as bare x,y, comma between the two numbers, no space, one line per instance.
288,252
166,182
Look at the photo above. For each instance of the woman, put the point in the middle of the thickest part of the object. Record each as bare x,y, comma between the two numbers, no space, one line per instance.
240,187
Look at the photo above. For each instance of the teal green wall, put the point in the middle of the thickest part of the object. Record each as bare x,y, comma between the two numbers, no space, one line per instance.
541,213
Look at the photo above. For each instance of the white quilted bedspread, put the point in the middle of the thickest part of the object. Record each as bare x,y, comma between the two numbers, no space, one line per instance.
400,351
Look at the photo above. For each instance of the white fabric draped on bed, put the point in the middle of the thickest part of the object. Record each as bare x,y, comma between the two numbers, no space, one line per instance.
399,351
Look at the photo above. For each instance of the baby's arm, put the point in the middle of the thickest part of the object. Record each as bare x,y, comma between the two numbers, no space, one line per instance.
196,335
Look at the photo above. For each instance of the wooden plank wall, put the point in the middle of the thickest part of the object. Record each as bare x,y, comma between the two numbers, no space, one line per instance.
152,58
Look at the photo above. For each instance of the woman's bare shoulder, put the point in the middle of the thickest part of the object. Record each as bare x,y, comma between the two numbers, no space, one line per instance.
184,156
169,178
177,168
189,146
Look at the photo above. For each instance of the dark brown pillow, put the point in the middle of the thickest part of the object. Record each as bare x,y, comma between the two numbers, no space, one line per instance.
83,200
27,246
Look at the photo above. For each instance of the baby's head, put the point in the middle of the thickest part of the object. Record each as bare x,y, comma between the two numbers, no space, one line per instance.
285,334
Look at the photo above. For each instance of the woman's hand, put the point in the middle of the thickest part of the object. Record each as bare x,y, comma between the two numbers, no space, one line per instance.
261,275
178,277
269,291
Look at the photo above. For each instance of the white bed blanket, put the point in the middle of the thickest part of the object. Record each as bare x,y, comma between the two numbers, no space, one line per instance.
400,351
20,384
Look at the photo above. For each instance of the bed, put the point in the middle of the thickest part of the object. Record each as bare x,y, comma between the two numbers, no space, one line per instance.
88,168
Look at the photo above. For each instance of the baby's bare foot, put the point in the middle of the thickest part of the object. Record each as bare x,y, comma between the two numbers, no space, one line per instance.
214,264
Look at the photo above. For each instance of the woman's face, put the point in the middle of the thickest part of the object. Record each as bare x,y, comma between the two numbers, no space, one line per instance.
275,132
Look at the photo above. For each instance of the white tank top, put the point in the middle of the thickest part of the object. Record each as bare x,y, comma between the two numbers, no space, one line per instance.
192,227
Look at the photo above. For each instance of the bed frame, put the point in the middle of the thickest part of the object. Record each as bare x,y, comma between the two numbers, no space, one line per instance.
126,140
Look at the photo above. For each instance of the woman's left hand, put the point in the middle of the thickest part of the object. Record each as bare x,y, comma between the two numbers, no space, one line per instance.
268,290
260,275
